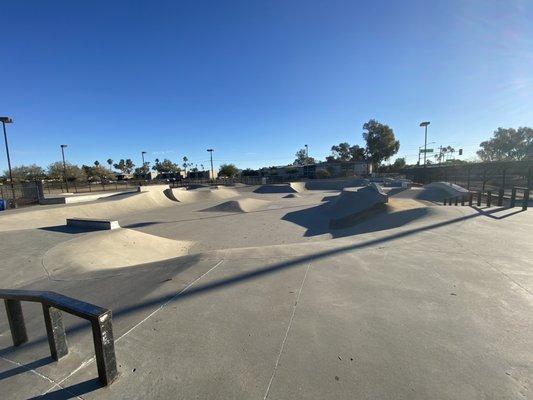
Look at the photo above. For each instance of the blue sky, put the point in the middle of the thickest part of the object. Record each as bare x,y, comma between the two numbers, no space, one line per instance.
256,80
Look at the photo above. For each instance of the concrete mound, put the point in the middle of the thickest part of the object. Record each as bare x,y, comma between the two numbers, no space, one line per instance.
148,197
291,196
275,188
104,250
349,207
191,196
242,205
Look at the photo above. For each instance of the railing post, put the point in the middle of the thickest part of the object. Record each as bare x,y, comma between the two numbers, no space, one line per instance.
445,201
462,200
456,200
513,197
479,198
470,198
56,333
526,200
104,348
489,198
16,322
500,197
450,201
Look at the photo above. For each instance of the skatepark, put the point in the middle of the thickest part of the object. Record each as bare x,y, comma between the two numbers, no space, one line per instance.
305,290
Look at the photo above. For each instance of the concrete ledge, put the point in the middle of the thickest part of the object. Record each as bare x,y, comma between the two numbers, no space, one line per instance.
88,223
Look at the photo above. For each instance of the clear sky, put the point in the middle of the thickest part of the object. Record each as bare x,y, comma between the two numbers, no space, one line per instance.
256,80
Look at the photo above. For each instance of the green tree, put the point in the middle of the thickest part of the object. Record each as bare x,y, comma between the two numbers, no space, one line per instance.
97,173
110,163
228,170
186,164
30,172
125,166
381,144
166,166
508,145
73,172
302,158
345,152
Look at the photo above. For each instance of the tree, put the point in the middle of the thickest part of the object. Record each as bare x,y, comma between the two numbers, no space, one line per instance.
508,145
73,172
30,172
186,164
125,166
166,166
381,144
97,163
228,170
398,164
302,158
110,162
344,152
97,173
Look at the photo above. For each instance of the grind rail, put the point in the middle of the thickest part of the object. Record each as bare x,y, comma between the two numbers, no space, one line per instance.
53,303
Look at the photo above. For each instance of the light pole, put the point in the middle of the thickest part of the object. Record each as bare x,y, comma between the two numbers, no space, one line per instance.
425,125
7,120
64,165
144,166
212,171
419,152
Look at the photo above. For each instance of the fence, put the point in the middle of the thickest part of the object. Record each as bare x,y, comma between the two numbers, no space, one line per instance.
477,176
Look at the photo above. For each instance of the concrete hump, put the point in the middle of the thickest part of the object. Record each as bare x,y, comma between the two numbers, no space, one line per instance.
354,202
275,188
242,205
183,195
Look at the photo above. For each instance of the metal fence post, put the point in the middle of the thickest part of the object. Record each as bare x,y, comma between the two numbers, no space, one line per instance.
489,198
56,333
500,197
463,200
456,200
526,200
445,201
479,195
513,197
470,198
104,348
16,322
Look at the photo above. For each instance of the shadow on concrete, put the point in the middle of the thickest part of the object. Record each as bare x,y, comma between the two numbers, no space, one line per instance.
490,213
128,303
66,229
73,391
26,367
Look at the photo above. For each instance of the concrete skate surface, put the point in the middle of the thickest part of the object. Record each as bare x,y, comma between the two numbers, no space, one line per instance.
235,294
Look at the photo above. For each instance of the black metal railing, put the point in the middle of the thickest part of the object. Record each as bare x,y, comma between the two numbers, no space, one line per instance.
488,195
53,303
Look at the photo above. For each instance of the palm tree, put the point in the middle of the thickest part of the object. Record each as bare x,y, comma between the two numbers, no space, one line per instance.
96,163
110,162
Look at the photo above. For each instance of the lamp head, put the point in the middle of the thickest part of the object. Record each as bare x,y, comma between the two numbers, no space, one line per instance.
426,123
6,120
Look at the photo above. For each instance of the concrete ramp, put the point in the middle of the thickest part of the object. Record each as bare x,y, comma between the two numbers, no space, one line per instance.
191,196
104,250
275,188
148,197
242,205
292,196
350,205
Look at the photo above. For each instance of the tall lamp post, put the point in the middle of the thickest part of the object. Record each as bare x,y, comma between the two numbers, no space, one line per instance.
64,165
425,125
7,120
212,171
144,165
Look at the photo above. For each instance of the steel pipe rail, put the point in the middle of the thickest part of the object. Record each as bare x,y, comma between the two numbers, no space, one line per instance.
53,303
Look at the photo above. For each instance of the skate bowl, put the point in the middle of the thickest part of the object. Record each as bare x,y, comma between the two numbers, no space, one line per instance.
117,248
241,205
183,195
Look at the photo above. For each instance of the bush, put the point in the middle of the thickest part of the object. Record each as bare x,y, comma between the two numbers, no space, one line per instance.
322,173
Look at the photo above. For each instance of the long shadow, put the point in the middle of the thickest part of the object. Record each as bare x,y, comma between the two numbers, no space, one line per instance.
496,210
70,392
25,368
220,284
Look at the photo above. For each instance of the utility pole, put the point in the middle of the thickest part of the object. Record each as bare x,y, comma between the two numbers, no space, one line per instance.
425,125
7,120
64,165
212,170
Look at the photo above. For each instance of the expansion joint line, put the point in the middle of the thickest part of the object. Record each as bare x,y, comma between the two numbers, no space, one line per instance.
289,325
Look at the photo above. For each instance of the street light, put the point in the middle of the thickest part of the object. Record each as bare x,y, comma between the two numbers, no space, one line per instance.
425,125
212,171
144,169
7,120
64,165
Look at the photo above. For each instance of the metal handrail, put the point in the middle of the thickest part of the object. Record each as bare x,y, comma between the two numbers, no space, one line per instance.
100,319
